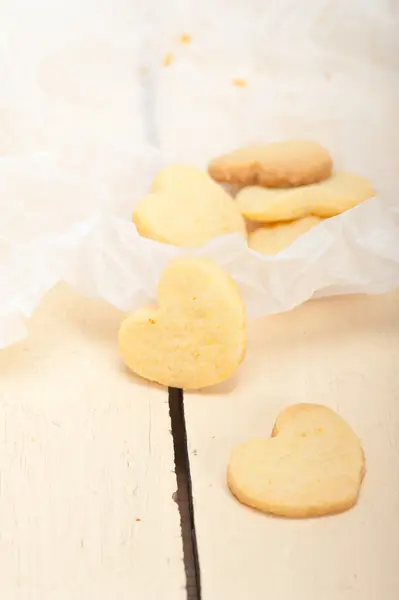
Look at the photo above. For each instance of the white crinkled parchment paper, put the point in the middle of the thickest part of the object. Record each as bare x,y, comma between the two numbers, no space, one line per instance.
88,113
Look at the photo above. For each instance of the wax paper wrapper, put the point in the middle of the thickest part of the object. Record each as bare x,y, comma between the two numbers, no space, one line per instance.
95,98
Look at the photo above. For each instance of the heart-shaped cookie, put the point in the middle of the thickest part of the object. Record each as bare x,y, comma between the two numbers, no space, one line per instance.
332,197
278,164
187,208
313,465
197,336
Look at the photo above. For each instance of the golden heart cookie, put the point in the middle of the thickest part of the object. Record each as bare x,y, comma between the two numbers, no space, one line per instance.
327,199
279,164
313,465
271,239
197,336
187,208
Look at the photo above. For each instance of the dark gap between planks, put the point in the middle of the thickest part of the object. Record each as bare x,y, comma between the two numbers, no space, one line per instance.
184,497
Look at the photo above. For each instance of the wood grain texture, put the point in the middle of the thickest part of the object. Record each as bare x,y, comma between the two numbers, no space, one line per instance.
86,466
342,352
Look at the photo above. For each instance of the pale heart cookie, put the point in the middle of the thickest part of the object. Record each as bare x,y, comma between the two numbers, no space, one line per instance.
279,164
312,466
327,199
197,336
187,208
271,239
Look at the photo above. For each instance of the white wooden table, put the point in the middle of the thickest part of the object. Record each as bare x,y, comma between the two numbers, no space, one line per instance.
342,352
86,466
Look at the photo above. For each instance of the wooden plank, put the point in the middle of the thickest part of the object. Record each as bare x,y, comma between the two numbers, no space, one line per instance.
342,352
86,466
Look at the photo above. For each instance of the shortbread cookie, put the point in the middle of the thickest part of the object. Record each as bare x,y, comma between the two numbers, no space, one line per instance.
197,336
327,199
313,465
271,239
187,208
280,164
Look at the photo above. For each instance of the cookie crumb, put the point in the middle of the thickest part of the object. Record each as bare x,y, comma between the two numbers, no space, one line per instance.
185,38
152,321
239,82
138,519
167,59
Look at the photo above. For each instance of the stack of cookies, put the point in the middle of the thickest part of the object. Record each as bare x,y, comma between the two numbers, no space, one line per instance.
197,336
286,188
